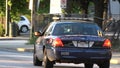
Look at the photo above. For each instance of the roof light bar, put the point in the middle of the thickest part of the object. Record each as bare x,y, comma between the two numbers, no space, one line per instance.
72,18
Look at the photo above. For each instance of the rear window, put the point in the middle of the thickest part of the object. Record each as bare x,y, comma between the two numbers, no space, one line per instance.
76,29
22,18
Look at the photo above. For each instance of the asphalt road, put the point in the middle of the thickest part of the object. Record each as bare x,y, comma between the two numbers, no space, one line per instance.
13,59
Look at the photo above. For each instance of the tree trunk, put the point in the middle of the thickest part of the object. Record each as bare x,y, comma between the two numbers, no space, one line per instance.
101,7
69,7
105,13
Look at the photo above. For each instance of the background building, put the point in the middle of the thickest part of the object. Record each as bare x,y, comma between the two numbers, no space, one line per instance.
115,9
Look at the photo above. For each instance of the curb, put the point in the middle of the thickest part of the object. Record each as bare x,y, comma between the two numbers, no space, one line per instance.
18,49
14,38
114,61
25,49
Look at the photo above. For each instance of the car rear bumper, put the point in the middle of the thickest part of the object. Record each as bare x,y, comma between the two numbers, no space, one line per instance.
79,55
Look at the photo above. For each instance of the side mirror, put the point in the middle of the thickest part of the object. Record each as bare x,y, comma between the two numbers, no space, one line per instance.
37,33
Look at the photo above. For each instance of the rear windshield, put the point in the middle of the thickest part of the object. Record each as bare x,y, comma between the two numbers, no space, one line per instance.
76,29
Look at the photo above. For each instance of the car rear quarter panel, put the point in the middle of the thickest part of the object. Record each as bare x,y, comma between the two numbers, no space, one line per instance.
39,51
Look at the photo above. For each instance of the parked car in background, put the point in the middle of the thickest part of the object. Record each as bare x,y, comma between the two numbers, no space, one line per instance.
71,41
24,24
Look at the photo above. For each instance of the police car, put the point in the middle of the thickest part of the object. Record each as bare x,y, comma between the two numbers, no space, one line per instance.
72,41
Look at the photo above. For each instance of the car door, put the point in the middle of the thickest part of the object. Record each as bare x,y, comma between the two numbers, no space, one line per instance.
40,43
39,48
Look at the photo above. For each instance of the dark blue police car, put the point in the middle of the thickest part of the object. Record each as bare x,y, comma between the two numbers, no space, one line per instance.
71,41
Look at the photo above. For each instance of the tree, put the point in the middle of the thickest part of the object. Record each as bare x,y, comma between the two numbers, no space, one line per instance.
74,6
17,7
44,6
84,6
100,8
2,10
2,7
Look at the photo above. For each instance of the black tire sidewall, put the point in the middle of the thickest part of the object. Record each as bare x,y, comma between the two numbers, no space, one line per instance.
88,65
47,62
105,64
36,62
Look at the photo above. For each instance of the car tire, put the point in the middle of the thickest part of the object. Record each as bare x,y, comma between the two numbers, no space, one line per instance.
47,62
88,65
105,64
24,29
36,61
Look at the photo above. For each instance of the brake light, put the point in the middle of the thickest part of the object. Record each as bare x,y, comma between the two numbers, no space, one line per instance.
57,43
107,43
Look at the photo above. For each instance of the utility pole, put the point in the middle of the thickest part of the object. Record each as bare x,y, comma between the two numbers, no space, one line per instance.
31,31
32,8
31,2
7,20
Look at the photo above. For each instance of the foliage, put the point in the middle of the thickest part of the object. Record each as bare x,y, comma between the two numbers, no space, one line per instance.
2,7
32,40
44,6
16,7
76,6
2,30
19,7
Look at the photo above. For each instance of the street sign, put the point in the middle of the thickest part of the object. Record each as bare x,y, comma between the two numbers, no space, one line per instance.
55,7
31,4
63,3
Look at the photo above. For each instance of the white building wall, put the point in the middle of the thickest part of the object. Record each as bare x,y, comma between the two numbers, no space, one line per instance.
115,9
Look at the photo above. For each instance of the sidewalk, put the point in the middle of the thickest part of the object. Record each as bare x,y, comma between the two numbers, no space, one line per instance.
14,38
24,47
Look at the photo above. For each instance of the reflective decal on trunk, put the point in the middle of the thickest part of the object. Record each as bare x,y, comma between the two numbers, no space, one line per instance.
82,44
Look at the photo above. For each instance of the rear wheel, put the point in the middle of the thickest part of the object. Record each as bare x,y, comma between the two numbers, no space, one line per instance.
88,65
47,62
24,29
36,61
105,64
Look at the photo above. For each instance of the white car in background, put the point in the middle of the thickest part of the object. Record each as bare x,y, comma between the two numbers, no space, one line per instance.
24,24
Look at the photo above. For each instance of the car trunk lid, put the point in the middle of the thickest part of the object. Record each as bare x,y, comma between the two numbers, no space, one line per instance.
82,41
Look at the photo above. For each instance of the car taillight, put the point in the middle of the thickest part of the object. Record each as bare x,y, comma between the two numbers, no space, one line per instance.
107,43
57,43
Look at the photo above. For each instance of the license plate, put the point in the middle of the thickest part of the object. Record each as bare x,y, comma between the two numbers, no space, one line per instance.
65,53
82,44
